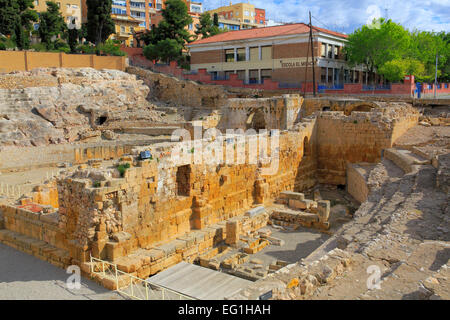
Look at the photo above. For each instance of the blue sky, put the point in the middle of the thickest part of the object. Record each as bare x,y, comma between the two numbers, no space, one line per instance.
347,15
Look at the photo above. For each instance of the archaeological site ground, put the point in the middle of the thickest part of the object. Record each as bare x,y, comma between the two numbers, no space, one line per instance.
152,187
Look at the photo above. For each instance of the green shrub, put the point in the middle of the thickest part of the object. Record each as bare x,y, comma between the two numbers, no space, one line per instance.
86,48
111,47
9,43
39,47
2,46
122,168
97,184
61,46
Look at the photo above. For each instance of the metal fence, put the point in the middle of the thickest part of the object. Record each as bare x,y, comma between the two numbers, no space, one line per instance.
134,287
376,87
289,85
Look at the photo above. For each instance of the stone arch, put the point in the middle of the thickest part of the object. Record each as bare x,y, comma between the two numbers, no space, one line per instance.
365,106
256,120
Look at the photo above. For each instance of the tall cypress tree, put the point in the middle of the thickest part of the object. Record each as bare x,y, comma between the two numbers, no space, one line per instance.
99,25
51,25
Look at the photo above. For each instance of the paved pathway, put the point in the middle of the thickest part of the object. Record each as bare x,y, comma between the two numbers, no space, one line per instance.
23,276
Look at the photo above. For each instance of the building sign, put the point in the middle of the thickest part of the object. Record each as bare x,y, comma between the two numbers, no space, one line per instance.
296,63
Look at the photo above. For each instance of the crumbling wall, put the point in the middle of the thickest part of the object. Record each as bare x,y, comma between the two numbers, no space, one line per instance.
359,137
147,203
262,113
180,92
346,105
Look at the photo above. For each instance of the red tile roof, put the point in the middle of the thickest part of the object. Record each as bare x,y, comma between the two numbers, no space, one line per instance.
287,29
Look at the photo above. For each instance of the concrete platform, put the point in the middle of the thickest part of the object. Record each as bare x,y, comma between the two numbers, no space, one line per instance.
198,282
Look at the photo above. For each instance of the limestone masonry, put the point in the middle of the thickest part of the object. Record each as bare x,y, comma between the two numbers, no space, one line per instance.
146,172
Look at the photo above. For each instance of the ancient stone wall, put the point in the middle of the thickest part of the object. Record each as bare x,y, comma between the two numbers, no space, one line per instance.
359,137
158,200
263,113
356,185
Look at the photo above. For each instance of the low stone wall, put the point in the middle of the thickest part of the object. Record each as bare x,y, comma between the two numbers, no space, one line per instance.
357,175
37,225
40,156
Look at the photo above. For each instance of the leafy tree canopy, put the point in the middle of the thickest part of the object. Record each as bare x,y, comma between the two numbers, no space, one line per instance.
391,50
100,24
51,25
208,27
167,41
16,17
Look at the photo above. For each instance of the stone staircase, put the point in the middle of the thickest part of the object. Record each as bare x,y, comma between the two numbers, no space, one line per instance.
405,159
38,248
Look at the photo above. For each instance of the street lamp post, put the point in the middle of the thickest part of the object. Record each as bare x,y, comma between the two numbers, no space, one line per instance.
435,76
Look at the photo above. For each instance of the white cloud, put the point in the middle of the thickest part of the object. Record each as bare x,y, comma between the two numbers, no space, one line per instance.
347,15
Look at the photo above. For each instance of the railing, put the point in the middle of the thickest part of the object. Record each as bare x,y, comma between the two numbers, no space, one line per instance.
134,287
289,85
254,81
376,87
217,77
9,190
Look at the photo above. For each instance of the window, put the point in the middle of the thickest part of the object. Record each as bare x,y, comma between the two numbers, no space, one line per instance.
253,76
323,75
336,52
266,52
323,50
266,74
241,54
190,27
330,51
229,55
254,54
241,74
246,13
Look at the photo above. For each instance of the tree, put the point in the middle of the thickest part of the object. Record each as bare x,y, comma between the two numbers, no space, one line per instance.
395,70
424,47
8,16
208,27
51,25
173,27
82,33
373,46
216,20
16,17
74,34
166,50
99,23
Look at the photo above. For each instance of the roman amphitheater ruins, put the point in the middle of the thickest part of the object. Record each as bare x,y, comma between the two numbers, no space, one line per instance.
129,175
